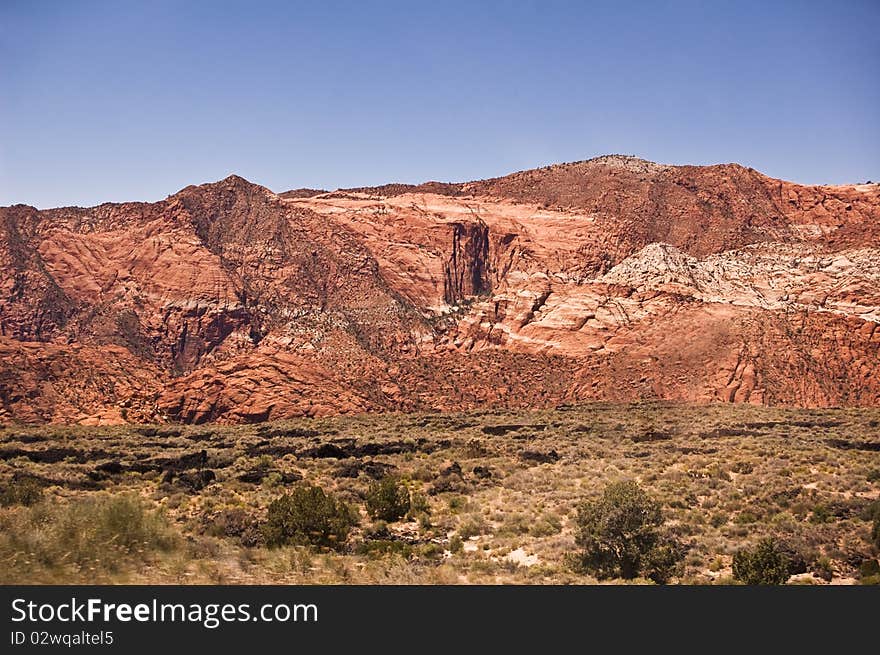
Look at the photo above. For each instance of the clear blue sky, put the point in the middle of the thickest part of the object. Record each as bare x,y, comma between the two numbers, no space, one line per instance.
108,101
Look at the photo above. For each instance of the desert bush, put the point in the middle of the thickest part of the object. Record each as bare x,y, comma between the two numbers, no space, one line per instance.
381,547
619,536
797,556
823,569
661,562
234,522
746,517
457,503
472,526
431,551
25,492
545,526
272,480
418,505
869,572
378,530
821,514
96,533
765,564
388,499
718,519
308,515
515,525
872,514
869,567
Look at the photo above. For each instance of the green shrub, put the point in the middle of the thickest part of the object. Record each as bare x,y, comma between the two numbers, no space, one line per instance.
821,514
308,515
619,536
662,561
380,547
765,564
25,492
457,503
388,499
431,551
546,526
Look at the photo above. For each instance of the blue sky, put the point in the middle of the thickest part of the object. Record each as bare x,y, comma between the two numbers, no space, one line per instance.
110,101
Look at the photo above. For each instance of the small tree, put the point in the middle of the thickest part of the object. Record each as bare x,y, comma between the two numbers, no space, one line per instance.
388,499
765,564
619,536
308,515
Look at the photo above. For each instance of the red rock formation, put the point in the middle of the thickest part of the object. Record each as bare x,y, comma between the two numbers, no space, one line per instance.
52,382
613,278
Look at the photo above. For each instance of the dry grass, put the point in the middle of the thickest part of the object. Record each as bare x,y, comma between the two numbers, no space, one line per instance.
497,493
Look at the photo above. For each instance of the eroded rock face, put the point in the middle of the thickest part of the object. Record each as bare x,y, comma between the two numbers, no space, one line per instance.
466,271
613,279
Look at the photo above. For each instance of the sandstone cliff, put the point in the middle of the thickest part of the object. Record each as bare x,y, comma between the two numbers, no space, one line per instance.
613,278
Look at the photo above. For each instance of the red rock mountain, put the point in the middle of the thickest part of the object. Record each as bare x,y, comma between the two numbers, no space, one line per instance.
613,278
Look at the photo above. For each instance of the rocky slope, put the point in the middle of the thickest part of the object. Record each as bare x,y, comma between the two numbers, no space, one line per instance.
613,278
